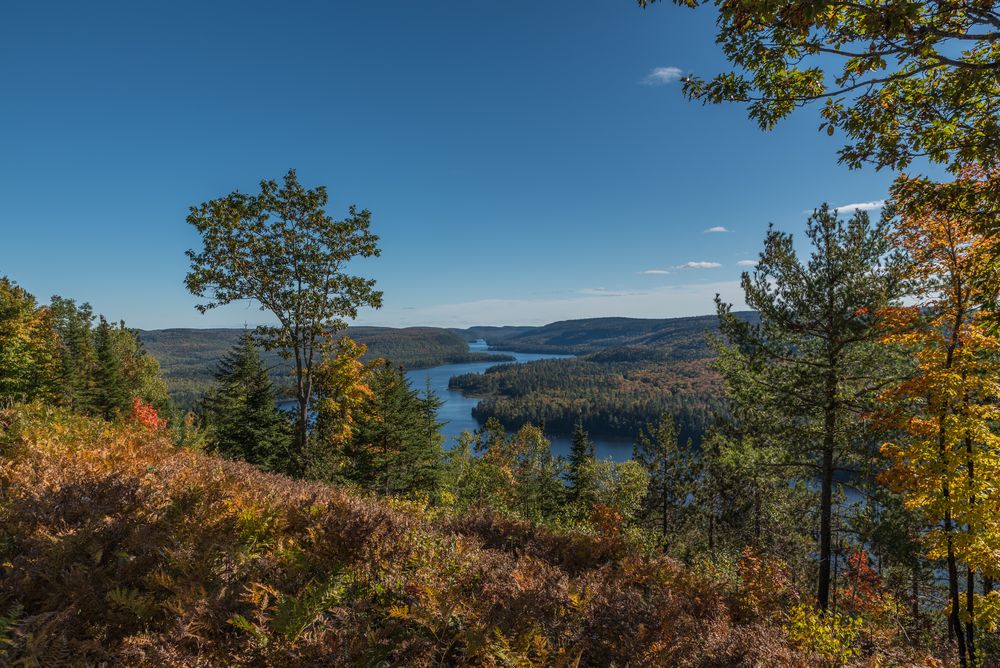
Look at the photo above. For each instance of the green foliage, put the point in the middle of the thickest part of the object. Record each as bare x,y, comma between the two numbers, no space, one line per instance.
605,395
581,454
900,79
242,414
282,250
54,354
124,371
29,355
831,637
672,468
803,378
395,446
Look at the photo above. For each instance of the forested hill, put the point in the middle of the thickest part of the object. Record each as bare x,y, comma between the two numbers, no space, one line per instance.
188,356
628,372
589,335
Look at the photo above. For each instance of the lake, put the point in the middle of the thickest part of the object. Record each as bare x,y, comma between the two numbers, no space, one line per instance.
456,410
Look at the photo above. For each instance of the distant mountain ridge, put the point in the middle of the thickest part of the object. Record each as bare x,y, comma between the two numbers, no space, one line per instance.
590,335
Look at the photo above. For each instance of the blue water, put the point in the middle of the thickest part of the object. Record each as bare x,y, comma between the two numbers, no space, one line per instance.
456,410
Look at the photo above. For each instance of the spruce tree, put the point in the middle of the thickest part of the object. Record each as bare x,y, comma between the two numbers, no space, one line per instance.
78,356
581,453
242,411
112,395
396,447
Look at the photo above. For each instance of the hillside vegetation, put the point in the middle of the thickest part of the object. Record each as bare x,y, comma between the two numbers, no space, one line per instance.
629,372
188,356
579,337
123,548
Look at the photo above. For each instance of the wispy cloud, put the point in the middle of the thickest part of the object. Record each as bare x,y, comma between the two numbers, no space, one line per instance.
747,263
661,76
605,292
716,230
860,206
654,272
699,265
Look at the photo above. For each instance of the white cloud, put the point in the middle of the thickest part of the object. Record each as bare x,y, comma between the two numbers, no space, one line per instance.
654,272
747,263
662,302
660,76
716,229
699,265
860,206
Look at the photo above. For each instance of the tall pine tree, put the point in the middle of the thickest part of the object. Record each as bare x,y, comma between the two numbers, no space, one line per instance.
803,377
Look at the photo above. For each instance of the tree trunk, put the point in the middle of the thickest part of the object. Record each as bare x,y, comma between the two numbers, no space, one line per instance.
970,625
954,619
826,506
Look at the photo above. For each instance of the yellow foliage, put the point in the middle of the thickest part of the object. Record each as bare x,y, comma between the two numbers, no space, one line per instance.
831,636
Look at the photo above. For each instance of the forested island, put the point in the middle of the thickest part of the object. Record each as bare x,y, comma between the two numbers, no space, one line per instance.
638,370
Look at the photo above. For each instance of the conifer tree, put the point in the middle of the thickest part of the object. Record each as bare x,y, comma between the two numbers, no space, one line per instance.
396,447
78,356
802,378
124,371
671,468
580,454
242,411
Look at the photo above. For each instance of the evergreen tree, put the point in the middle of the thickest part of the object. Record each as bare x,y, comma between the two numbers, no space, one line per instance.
803,378
671,468
242,411
78,356
581,453
396,447
112,395
124,371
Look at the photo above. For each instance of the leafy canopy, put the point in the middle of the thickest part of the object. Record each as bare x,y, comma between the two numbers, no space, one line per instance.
901,79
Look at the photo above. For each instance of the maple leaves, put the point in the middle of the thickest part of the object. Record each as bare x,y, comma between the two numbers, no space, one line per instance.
146,416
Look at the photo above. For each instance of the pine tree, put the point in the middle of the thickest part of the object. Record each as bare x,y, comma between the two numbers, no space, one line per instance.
802,378
242,411
671,468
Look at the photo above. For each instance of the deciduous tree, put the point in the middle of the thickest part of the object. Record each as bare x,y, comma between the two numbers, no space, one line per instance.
280,249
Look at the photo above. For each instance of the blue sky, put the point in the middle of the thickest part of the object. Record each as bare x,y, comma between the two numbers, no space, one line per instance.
525,162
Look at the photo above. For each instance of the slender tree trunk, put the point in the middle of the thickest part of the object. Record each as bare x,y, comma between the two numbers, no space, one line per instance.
915,585
663,493
970,574
970,625
954,619
826,497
